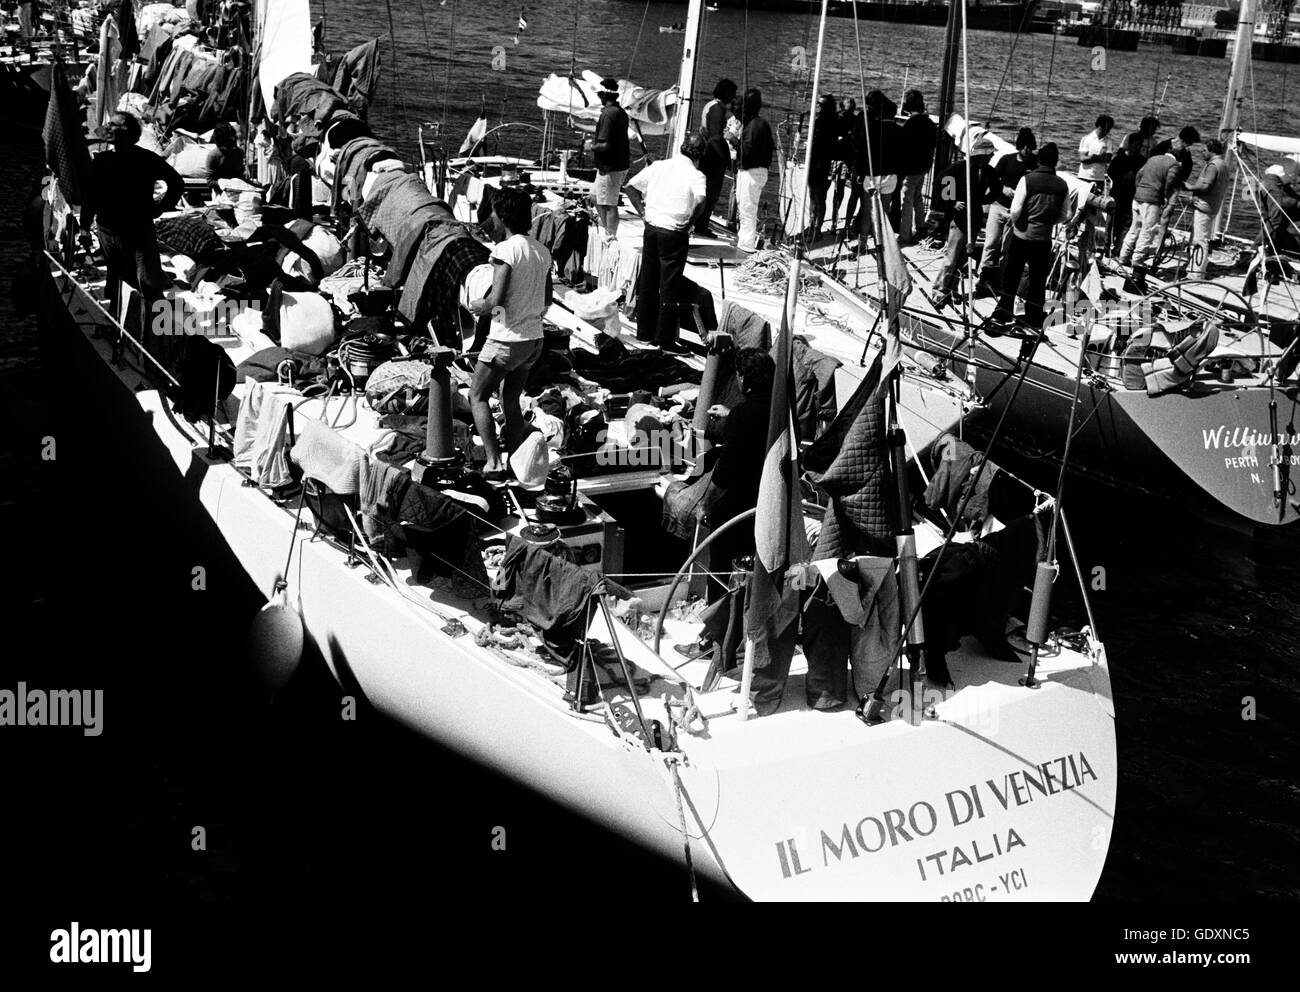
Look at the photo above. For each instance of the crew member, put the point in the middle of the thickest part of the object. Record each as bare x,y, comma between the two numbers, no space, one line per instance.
674,195
1207,192
956,211
717,155
124,208
916,157
1096,149
1157,182
609,147
1123,170
1041,201
1006,175
825,138
520,295
752,164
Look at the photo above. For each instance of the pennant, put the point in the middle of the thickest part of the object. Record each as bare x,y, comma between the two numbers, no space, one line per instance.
66,150
898,287
475,135
779,536
1092,286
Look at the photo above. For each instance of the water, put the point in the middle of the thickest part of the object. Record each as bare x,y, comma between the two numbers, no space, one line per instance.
303,809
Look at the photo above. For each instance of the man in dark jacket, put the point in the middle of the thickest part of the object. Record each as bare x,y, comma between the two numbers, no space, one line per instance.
1041,201
717,155
825,138
916,157
741,436
1123,170
880,165
959,213
1003,178
123,204
609,149
753,160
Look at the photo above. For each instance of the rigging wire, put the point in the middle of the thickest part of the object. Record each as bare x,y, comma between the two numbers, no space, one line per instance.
1011,55
451,47
637,44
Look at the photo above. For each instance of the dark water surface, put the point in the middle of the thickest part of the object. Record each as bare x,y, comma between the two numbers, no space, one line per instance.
304,809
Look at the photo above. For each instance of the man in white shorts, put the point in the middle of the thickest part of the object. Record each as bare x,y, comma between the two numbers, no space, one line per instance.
520,295
609,147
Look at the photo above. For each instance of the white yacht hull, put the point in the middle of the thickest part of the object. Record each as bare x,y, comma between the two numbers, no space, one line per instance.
1009,795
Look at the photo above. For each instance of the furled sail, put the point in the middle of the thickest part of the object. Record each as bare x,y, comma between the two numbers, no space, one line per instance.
649,111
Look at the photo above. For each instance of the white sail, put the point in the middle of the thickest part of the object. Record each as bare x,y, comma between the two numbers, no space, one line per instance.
283,42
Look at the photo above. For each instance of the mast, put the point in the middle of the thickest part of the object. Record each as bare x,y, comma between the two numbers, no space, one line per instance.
1241,50
1240,66
686,78
948,83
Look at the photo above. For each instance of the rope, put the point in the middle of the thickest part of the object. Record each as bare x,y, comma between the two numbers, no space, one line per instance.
672,761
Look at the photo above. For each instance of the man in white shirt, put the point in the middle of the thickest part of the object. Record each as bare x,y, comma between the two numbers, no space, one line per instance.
518,300
1096,149
673,196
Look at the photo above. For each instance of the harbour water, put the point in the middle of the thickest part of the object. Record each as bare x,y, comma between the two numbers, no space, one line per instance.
297,804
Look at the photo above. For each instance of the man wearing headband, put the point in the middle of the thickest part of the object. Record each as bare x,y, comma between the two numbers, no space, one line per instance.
609,147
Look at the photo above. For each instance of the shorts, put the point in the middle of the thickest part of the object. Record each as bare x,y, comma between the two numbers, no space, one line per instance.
607,187
510,356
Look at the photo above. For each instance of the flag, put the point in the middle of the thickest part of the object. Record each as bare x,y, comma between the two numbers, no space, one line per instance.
476,134
853,457
523,21
779,536
65,144
898,287
126,30
1092,285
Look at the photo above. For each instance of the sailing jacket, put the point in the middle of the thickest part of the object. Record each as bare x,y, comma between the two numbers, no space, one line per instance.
1158,179
609,145
919,135
756,145
1041,202
1278,202
1210,187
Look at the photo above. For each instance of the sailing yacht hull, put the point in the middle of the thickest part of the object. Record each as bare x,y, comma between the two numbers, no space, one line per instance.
1216,445
1010,794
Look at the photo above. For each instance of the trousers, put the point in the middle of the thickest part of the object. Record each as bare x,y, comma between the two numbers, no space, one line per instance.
659,288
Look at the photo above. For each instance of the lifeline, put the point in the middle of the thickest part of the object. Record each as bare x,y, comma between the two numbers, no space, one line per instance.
53,708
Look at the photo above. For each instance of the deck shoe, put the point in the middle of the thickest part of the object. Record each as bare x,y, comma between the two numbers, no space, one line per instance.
827,703
696,649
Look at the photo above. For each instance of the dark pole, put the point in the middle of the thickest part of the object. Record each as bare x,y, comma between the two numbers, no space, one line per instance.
943,148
